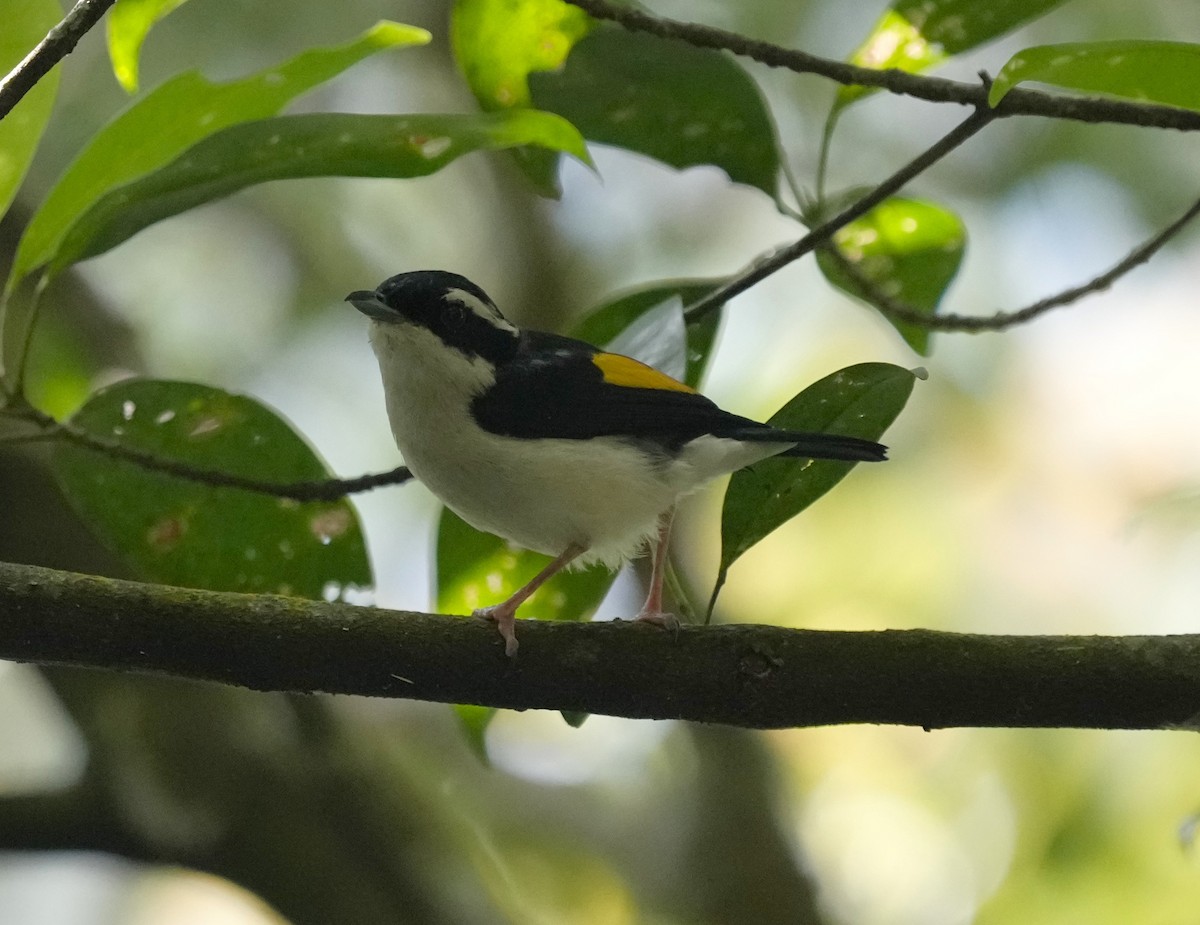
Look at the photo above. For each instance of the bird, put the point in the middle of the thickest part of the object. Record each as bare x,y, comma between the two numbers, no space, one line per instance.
549,442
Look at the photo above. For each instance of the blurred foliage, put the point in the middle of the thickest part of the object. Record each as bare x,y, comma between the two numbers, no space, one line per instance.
349,811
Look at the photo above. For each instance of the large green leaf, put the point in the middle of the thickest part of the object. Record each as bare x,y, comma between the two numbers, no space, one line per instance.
498,44
1149,72
908,250
671,101
605,324
175,116
859,401
325,144
182,532
25,24
129,23
914,35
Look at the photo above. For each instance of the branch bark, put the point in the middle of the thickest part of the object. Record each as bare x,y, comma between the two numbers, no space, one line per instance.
58,43
753,676
1017,102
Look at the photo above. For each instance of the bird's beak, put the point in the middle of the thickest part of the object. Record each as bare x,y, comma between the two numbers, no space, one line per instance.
369,303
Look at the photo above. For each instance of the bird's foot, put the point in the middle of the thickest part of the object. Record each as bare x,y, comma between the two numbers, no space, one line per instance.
505,622
667,621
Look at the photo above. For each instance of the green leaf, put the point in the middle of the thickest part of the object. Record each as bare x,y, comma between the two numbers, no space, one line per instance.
175,116
129,23
1148,72
679,104
498,44
325,144
474,720
915,35
182,532
25,24
859,401
908,250
476,569
606,323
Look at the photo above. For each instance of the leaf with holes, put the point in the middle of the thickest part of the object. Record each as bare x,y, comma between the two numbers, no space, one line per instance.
904,249
859,401
1147,72
681,105
178,531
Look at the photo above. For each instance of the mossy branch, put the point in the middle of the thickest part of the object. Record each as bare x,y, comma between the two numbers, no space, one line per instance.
746,675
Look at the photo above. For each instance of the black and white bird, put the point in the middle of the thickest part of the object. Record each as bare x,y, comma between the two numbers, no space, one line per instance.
549,442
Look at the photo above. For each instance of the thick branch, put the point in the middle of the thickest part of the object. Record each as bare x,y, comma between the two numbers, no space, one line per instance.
58,43
1017,102
756,676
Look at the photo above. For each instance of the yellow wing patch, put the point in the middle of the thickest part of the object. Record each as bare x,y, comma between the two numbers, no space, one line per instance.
621,370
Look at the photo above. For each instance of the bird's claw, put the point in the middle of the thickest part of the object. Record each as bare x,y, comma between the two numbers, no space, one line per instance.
505,623
667,621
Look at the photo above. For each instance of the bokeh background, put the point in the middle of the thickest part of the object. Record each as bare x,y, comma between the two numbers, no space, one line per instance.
1046,480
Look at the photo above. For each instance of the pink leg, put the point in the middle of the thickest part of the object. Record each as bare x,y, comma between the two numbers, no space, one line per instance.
504,613
652,610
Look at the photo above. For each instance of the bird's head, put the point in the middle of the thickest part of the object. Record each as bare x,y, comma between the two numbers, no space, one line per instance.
450,306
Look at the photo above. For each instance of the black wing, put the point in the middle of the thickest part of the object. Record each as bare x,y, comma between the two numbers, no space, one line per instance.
552,388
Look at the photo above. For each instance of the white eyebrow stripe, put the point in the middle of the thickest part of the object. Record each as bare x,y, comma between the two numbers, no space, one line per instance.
485,310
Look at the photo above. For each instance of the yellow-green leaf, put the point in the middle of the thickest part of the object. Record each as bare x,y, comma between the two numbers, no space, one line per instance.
1148,72
314,145
908,250
498,44
129,23
172,118
915,35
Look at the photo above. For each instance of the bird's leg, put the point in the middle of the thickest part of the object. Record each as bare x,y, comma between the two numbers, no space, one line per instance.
504,613
652,610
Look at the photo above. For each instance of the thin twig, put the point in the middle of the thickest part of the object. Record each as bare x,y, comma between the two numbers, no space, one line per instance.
860,207
314,490
901,311
58,43
1017,102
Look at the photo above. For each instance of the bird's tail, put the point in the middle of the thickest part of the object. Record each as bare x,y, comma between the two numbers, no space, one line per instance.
832,446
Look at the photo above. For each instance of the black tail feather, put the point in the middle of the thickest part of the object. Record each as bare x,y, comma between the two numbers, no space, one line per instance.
820,446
